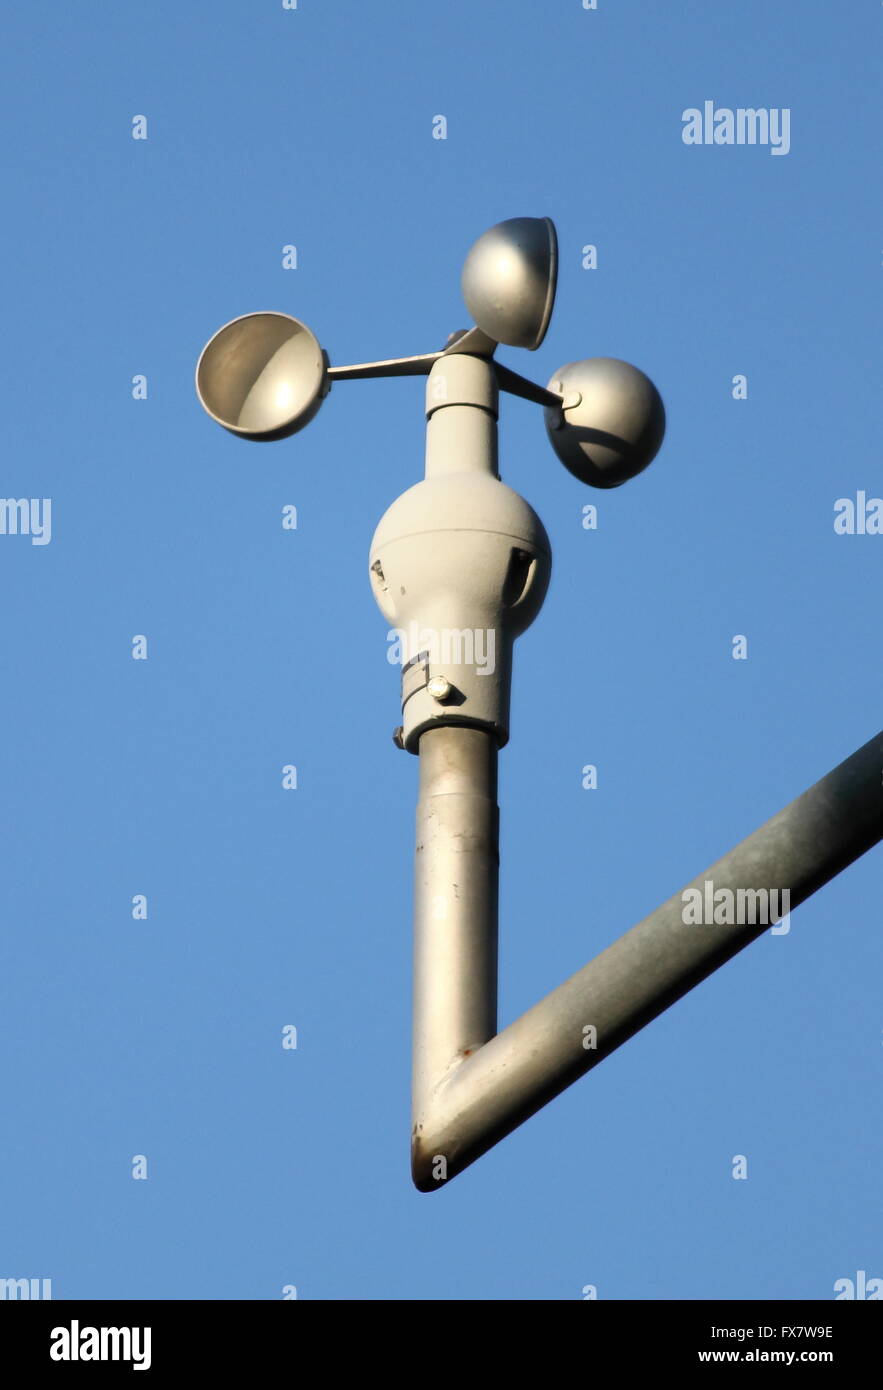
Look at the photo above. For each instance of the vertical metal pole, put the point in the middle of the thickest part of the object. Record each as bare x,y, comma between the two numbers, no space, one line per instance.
455,905
457,859
462,402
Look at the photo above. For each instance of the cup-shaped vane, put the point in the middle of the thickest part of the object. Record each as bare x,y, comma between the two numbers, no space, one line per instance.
509,280
262,376
612,423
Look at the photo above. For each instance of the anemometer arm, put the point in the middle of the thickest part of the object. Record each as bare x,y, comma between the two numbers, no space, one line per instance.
472,1088
393,366
422,365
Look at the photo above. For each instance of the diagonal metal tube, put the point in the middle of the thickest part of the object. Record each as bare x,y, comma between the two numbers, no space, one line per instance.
463,1104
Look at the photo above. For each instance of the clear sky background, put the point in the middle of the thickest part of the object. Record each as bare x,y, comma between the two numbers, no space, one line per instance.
163,777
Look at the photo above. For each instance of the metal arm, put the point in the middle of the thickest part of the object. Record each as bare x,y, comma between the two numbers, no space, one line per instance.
394,366
467,1098
422,365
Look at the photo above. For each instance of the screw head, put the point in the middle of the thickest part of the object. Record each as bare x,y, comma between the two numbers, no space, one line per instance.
439,687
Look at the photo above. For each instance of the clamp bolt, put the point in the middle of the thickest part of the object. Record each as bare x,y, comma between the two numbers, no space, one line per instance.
439,687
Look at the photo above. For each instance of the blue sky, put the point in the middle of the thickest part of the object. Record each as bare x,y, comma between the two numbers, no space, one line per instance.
162,777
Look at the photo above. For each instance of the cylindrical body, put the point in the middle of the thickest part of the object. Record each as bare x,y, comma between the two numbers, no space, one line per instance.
461,416
455,903
459,564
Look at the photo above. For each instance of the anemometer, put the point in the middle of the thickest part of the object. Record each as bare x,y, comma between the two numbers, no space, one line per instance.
459,565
